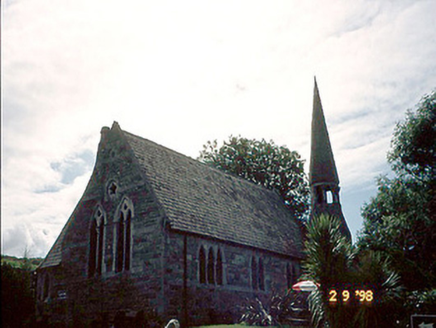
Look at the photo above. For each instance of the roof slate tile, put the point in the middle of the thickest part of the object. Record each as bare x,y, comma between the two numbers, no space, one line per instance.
203,200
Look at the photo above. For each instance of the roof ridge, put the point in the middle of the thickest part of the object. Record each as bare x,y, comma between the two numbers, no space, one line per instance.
229,174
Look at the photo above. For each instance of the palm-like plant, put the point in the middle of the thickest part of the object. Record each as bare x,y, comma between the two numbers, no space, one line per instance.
329,259
372,269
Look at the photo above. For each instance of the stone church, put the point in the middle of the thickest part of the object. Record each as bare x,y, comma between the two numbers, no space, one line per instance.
158,235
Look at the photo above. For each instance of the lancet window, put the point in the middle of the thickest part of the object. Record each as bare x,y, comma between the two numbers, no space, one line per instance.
289,278
254,278
202,265
291,275
96,242
219,268
46,287
257,274
123,236
210,266
261,276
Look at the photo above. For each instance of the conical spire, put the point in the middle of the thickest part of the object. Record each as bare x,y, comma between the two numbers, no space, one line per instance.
322,163
323,180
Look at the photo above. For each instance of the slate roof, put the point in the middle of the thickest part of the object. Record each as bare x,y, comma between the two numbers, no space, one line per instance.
203,200
206,201
322,163
54,256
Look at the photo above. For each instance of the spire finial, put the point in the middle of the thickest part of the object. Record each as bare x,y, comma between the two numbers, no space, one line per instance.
115,125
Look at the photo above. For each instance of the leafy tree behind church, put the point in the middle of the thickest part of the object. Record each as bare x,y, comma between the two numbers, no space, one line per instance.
264,163
400,221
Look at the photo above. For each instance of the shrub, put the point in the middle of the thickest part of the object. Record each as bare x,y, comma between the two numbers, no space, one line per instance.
288,309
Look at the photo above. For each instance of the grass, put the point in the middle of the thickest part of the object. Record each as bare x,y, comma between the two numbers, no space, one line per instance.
20,262
245,326
226,326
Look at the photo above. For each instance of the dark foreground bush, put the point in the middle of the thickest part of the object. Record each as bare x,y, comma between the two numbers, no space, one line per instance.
17,297
288,309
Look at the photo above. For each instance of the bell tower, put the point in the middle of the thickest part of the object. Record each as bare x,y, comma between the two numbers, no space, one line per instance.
323,176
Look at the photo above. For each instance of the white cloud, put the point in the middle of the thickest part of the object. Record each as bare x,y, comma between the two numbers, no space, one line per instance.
182,73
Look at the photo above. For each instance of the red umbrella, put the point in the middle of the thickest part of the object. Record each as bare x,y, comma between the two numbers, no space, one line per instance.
305,286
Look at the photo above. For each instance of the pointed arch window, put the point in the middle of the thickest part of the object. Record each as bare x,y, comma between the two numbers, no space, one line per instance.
100,240
289,277
120,244
319,194
261,275
127,224
92,248
219,268
210,267
295,274
96,242
202,265
46,289
257,274
123,233
254,277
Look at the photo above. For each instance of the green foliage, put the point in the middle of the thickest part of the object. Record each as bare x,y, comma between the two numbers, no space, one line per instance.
264,163
23,263
328,253
287,309
422,301
397,222
246,326
17,296
257,314
318,309
371,269
331,261
400,222
414,142
329,258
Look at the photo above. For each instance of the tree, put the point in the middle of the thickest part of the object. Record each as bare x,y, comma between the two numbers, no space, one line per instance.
400,221
414,143
397,222
264,163
328,260
17,296
333,263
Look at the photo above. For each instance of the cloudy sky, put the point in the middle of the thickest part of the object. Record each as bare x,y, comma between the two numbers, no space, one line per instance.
184,72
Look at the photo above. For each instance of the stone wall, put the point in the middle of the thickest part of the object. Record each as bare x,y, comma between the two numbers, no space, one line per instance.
86,298
163,280
213,303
